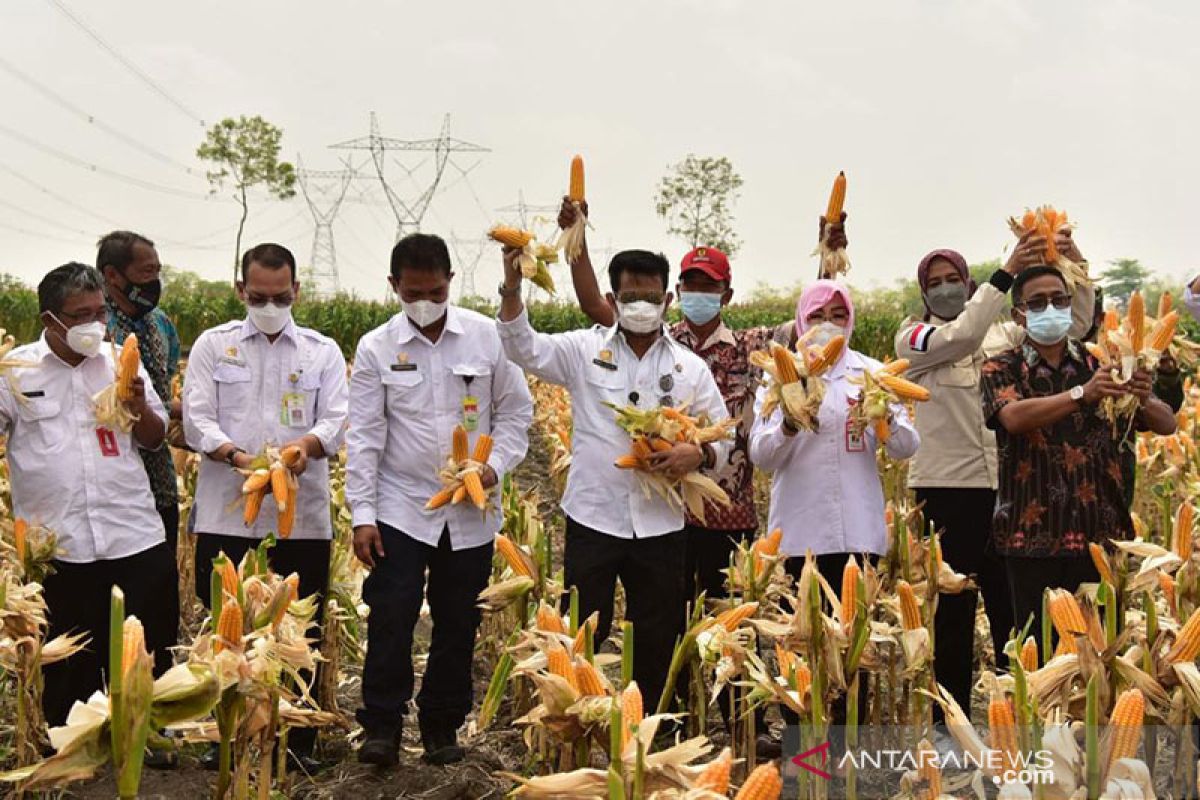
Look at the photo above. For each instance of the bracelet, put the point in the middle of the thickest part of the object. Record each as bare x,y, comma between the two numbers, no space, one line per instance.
507,292
229,458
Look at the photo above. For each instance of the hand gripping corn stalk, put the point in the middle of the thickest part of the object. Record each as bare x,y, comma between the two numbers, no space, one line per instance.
272,473
659,430
833,261
535,257
570,241
462,476
1048,223
879,391
110,403
794,381
1127,349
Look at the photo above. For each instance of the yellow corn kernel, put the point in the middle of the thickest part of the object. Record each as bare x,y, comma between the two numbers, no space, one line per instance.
442,497
631,711
837,199
764,783
903,388
475,491
715,777
910,612
254,502
575,192
558,662
230,580
513,556
229,627
133,642
510,237
1136,320
458,444
256,481
785,366
1163,332
588,679
850,575
127,367
20,537
733,617
1126,725
1003,730
1029,655
483,449
1100,560
897,367
279,487
290,455
829,355
1187,642
1167,584
1068,619
548,620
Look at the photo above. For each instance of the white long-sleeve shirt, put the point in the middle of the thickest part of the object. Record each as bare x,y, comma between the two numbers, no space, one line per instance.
1191,301
407,396
86,484
241,388
597,366
825,489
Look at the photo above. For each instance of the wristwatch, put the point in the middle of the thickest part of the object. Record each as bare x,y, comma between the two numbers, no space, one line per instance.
1076,393
506,292
231,455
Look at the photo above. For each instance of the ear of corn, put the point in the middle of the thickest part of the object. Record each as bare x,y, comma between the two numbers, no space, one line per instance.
20,535
575,192
548,620
715,777
133,643
1068,619
733,617
850,575
279,487
1126,725
1181,538
1029,655
929,770
510,237
830,353
256,481
127,367
1003,729
837,199
1167,584
286,520
897,367
229,626
290,455
631,711
558,662
1100,560
458,444
1187,642
512,555
764,783
1163,332
784,365
769,545
903,388
1099,353
474,487
910,612
230,581
1136,317
441,498
588,680
483,448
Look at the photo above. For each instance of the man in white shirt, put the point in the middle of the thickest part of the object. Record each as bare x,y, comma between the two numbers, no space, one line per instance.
614,529
261,381
85,482
415,379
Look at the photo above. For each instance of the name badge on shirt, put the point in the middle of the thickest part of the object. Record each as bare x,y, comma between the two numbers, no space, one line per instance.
293,414
855,443
108,443
470,416
404,367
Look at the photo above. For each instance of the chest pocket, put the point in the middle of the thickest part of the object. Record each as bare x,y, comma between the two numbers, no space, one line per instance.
607,384
471,380
38,415
961,373
233,384
403,390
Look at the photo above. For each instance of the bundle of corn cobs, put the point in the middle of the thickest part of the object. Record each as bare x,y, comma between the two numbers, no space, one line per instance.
794,381
1048,223
658,430
272,472
1125,348
110,401
879,391
535,256
834,261
462,476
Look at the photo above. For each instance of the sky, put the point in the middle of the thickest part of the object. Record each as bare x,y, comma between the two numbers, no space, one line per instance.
947,116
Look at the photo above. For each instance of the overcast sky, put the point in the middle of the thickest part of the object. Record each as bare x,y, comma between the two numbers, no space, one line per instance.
947,117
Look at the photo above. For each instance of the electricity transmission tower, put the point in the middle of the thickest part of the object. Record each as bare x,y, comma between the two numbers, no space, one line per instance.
523,210
324,191
467,255
409,214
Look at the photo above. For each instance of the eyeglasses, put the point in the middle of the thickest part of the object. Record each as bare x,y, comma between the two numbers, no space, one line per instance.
280,299
84,317
654,298
839,317
1060,301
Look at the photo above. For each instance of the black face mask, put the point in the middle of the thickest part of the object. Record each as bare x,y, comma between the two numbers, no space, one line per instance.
142,296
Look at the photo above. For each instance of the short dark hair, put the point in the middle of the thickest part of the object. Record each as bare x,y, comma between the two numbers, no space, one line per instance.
66,281
271,256
116,249
1028,274
422,251
639,262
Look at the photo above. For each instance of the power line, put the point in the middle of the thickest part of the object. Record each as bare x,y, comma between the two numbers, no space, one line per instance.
125,62
37,235
90,167
91,119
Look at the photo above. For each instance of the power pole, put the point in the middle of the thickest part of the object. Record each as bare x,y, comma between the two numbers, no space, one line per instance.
523,209
467,255
409,214
324,191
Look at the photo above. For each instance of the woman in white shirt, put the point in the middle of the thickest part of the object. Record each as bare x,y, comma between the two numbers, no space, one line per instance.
826,494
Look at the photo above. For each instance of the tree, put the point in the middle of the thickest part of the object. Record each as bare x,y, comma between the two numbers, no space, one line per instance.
1125,275
695,197
245,154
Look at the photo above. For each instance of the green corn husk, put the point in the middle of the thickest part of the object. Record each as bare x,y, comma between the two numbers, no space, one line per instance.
626,653
1092,738
116,689
495,692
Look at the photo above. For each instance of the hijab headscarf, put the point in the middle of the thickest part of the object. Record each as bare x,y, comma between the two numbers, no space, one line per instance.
816,296
960,266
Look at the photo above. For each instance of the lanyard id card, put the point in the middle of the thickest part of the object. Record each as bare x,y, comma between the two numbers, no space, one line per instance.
470,415
293,414
855,441
108,443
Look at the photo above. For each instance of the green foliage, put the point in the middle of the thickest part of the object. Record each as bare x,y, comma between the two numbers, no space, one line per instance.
1123,276
18,309
696,197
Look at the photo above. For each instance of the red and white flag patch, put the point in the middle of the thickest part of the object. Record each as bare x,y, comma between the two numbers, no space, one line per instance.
918,339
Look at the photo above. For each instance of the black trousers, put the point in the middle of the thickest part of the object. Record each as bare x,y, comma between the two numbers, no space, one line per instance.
651,571
78,595
1029,577
170,520
707,553
451,580
964,516
308,558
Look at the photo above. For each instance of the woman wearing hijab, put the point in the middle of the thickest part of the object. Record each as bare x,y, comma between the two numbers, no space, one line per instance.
955,472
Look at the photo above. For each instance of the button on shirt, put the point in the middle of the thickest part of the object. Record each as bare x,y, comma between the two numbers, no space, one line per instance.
244,390
825,490
408,395
99,506
597,366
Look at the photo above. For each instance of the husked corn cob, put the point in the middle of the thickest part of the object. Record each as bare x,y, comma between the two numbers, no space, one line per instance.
279,486
733,617
1136,319
1181,538
230,581
897,367
510,237
769,545
286,520
133,642
1167,584
20,537
660,445
1100,560
784,365
1187,643
483,448
460,494
1163,332
512,555
558,662
474,487
1068,619
631,711
1164,304
786,659
458,444
581,636
1099,353
290,455
1029,655
628,461
929,770
575,192
902,387
764,783
127,367
548,620
715,777
850,574
837,199
588,680
254,502
1111,320
229,626
441,498
641,448
1003,729
256,481
829,355
910,612
1126,725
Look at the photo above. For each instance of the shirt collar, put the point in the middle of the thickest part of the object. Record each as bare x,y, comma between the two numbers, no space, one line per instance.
249,330
614,333
720,335
1074,352
406,331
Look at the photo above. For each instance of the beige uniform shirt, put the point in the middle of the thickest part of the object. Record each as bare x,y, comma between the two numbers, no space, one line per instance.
957,449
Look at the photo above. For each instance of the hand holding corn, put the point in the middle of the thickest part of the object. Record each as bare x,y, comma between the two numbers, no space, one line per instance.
123,402
466,476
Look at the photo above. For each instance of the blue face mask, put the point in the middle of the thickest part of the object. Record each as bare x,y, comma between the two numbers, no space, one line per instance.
1048,326
699,307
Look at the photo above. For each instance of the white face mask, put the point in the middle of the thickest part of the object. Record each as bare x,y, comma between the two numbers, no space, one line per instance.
640,316
424,313
824,333
84,339
270,318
